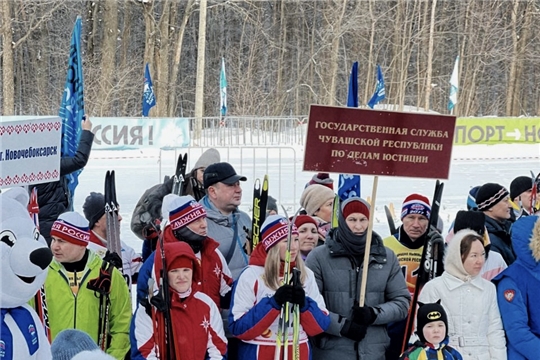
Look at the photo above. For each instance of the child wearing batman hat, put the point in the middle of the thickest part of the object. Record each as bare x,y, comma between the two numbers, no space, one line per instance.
432,331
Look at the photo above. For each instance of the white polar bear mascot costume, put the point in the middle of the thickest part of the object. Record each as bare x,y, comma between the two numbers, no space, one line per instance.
24,260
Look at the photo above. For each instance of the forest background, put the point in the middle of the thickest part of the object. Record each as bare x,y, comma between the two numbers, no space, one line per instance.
280,56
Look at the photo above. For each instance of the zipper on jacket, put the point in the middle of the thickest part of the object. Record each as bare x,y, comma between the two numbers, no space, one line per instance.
74,296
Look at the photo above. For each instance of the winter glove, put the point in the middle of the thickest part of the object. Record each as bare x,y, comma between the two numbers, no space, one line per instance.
299,296
353,331
364,315
114,259
285,294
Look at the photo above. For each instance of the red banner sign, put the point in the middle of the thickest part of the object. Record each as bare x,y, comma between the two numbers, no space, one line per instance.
358,141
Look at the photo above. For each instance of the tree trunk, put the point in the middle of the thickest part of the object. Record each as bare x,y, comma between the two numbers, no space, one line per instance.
107,83
430,55
177,55
8,83
199,86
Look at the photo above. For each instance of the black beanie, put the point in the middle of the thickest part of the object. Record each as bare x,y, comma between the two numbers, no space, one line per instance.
474,220
271,204
94,208
428,313
519,185
489,195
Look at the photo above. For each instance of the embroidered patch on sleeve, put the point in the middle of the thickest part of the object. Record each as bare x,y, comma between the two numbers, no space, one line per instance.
509,295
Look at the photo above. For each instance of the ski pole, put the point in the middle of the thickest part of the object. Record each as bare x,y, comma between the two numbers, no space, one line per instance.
363,284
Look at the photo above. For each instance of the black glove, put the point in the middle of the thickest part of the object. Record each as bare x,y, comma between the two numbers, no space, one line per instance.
152,230
353,331
364,315
114,259
299,296
284,294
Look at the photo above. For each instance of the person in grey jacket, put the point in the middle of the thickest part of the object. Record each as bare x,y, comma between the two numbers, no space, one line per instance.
226,223
357,332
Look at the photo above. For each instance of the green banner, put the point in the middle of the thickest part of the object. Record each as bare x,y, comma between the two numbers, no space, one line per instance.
497,130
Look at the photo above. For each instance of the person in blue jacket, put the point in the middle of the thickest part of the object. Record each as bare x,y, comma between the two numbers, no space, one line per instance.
518,291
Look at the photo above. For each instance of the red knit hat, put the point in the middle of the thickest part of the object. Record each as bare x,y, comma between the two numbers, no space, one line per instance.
274,229
305,219
355,205
416,204
184,210
71,227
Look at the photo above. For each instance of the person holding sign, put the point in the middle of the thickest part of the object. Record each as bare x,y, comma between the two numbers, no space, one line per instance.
357,331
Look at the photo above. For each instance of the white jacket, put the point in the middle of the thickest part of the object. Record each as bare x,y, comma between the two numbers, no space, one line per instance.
474,322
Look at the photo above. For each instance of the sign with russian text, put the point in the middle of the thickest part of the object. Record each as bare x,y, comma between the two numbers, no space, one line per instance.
373,142
495,130
124,133
29,151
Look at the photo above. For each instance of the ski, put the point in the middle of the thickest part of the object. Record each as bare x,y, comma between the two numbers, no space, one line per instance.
39,298
429,263
390,219
179,175
282,336
535,205
111,215
260,200
335,211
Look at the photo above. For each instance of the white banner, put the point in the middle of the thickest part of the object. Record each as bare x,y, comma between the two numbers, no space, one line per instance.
29,150
116,133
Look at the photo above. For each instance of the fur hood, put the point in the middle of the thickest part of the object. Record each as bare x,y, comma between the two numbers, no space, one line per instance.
526,240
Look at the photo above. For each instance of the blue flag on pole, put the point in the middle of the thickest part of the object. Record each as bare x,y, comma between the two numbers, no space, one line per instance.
454,83
349,185
380,92
223,89
72,107
148,98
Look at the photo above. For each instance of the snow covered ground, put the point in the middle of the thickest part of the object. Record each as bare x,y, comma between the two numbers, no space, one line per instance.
137,170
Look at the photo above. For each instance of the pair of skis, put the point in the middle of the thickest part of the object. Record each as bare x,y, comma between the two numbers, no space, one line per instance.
260,201
535,203
162,300
111,215
429,263
293,278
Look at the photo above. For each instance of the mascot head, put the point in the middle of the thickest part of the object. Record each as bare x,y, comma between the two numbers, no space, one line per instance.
24,255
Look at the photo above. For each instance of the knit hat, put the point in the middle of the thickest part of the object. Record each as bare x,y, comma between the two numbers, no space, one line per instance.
355,205
519,185
489,195
471,199
322,179
428,313
274,229
94,208
71,227
305,219
70,342
177,254
184,210
271,204
209,157
221,172
416,204
314,196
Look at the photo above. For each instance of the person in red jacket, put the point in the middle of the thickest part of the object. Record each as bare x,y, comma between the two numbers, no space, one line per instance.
195,320
186,222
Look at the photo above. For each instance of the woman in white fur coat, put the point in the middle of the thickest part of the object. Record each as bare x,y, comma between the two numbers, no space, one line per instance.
474,322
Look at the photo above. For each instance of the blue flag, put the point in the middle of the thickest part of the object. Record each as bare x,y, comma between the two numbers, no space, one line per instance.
349,185
72,107
223,89
380,92
148,98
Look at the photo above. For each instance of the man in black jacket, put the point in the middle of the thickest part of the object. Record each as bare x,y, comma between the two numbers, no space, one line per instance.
494,201
54,197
